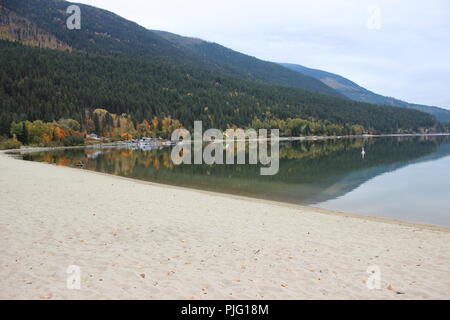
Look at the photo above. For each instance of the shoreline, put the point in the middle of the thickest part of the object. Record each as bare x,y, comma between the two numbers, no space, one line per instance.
141,240
28,149
413,224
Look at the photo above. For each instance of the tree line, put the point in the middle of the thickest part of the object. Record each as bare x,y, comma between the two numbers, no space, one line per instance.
47,85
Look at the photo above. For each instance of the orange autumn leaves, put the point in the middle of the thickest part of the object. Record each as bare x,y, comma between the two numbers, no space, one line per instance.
65,132
122,127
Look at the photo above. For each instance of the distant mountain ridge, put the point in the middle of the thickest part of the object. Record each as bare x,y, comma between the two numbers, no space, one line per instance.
355,92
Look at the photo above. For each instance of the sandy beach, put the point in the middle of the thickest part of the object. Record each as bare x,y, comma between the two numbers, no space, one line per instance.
138,240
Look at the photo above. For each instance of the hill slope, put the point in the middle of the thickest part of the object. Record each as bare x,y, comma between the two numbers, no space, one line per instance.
358,93
49,84
16,28
245,66
105,33
118,65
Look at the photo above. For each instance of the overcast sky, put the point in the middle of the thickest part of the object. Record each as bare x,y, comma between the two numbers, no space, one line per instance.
404,54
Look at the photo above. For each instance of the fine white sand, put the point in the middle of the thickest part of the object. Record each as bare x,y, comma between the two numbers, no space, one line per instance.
136,240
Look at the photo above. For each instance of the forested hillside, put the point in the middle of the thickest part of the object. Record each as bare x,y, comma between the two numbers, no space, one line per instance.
48,84
119,66
16,28
246,67
105,33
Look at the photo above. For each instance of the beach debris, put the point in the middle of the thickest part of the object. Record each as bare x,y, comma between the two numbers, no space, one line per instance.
391,288
142,275
46,296
80,164
284,285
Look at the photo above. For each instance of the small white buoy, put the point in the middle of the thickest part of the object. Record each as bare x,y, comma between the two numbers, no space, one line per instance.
363,153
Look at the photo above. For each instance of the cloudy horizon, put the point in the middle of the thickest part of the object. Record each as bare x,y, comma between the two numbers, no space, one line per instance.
405,54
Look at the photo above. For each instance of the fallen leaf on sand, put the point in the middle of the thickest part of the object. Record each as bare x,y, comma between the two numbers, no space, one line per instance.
47,296
391,288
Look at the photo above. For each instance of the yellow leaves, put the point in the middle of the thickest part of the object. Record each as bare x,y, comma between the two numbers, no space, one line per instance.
100,110
155,122
165,123
46,138
145,124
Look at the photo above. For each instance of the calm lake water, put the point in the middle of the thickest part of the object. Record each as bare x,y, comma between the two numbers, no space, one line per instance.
405,178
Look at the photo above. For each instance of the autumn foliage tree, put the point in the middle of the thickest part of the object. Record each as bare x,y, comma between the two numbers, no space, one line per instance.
44,134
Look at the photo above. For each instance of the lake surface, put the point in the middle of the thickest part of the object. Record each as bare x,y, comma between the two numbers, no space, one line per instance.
405,178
